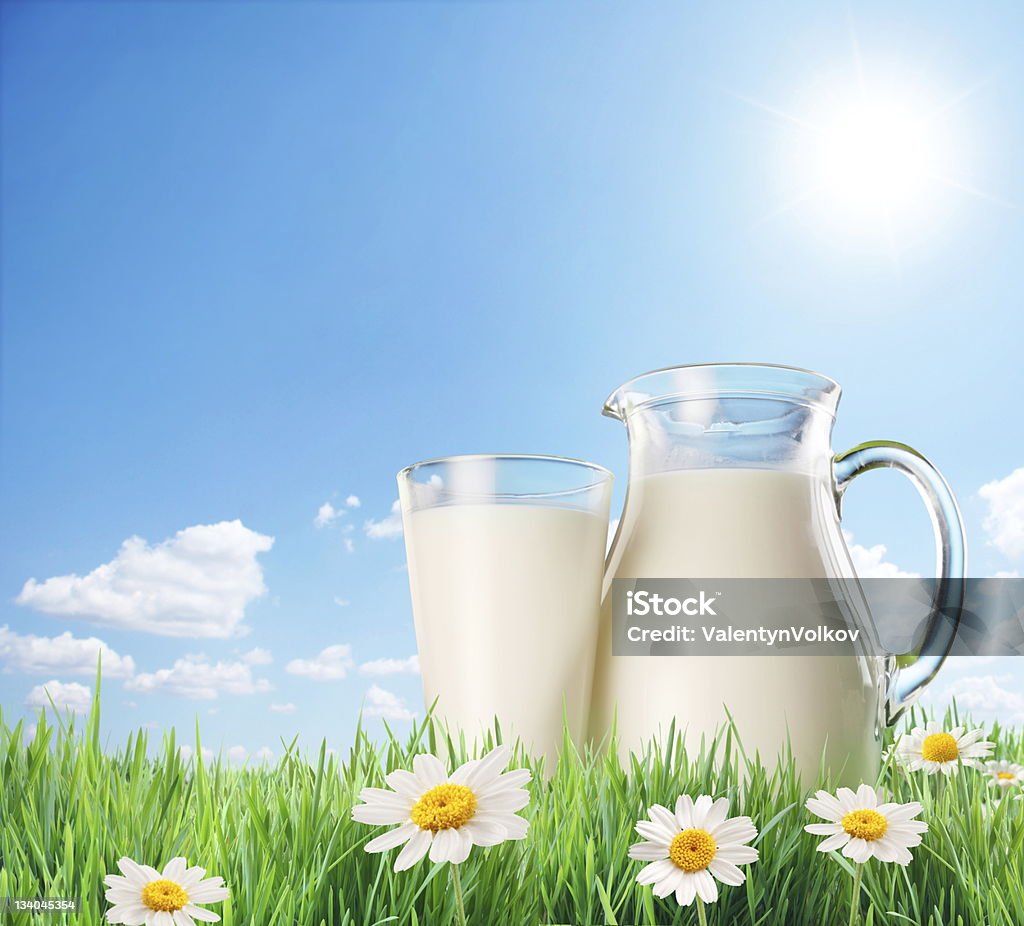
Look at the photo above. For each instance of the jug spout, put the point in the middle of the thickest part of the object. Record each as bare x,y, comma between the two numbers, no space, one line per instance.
727,414
721,380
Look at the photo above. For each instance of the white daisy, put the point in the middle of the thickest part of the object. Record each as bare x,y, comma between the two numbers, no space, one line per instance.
446,815
692,847
1005,774
145,897
936,750
863,828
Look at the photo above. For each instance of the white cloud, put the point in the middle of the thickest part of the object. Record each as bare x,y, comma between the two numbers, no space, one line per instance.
870,563
196,584
327,514
239,754
194,676
64,654
1004,522
67,696
388,528
391,666
329,664
350,547
342,602
386,704
187,752
1006,574
257,656
288,708
988,695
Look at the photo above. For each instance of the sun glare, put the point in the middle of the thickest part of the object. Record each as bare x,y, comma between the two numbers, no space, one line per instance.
875,157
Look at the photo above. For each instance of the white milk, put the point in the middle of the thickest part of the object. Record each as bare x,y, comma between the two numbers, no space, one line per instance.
506,601
738,523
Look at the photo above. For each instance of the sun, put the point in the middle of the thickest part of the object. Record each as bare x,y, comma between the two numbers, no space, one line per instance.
872,153
876,157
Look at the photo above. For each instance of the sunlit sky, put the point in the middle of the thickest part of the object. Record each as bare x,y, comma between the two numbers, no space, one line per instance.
258,257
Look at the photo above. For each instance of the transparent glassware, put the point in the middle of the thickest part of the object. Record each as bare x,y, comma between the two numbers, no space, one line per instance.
732,475
506,555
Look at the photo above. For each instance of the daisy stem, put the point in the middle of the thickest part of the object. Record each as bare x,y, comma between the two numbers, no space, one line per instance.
457,887
702,917
855,898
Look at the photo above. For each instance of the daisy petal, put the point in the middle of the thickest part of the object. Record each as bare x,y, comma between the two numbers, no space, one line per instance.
737,855
209,894
429,770
834,842
463,845
684,812
669,883
656,871
488,768
687,890
726,872
379,815
174,870
717,813
664,818
485,832
823,829
707,890
413,850
443,846
404,783
513,800
701,806
647,852
858,850
396,837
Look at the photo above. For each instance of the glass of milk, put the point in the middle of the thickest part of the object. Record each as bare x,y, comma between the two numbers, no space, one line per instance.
506,555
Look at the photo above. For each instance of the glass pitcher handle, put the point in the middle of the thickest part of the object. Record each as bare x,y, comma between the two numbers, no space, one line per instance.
909,678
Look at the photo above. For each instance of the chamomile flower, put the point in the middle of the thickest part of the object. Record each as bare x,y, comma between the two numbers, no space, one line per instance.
936,750
1004,775
446,815
864,828
142,896
691,848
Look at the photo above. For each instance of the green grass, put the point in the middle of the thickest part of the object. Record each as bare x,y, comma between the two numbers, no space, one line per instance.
283,839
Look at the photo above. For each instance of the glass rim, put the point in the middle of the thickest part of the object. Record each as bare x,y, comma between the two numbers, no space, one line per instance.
603,474
829,388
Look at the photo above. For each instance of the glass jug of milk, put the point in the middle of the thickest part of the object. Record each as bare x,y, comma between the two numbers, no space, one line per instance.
731,475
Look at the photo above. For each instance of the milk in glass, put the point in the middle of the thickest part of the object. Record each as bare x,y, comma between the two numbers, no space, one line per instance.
506,600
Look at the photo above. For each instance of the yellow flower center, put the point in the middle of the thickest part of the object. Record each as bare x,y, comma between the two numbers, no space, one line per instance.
940,747
865,824
164,895
1005,776
444,807
692,850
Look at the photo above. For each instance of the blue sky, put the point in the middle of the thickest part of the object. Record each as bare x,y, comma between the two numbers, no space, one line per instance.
256,258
